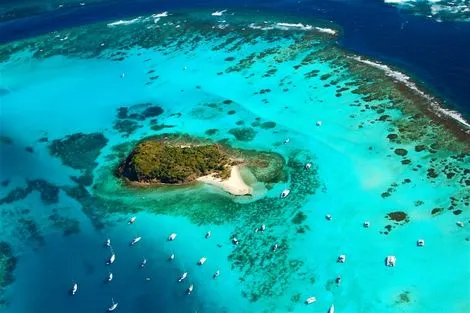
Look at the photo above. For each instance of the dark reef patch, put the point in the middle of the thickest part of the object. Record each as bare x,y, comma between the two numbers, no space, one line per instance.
397,216
159,127
126,127
401,152
299,218
7,265
268,125
243,133
67,225
211,131
49,193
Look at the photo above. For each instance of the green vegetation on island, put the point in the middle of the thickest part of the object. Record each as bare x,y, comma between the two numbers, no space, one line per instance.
181,159
158,161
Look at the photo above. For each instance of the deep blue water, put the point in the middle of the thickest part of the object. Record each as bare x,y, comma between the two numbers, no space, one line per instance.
436,54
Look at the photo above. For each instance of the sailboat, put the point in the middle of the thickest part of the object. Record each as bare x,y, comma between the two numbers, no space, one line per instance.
113,306
110,277
331,309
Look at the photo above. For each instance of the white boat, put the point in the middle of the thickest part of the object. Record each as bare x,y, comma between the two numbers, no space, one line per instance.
275,247
216,274
235,240
328,217
285,193
420,243
111,259
172,237
338,280
366,224
331,309
286,141
171,257
319,123
390,260
110,277
113,306
341,258
208,234
262,228
74,289
190,289
135,240
460,224
310,300
132,220
201,261
107,243
144,261
308,166
183,277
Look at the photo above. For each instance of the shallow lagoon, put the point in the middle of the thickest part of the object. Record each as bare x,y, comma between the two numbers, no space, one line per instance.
232,74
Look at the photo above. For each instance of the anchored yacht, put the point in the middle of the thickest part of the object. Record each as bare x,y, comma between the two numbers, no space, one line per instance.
341,258
285,193
74,289
144,261
171,257
202,261
135,240
190,289
308,166
420,243
390,261
310,300
113,306
110,277
111,259
331,309
172,237
208,234
132,220
107,243
183,277
216,274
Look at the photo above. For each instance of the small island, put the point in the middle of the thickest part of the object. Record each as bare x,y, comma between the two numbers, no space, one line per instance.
182,160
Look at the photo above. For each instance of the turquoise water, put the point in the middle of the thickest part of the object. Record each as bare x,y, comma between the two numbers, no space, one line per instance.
71,82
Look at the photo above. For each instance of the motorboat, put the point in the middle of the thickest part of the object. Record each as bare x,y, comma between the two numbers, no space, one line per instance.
172,237
74,289
328,217
285,193
275,247
420,243
111,259
308,166
341,258
286,141
262,228
107,243
144,261
208,234
310,300
331,309
319,123
183,277
190,289
460,224
366,224
216,274
235,240
110,277
202,261
113,306
135,240
132,220
390,261
171,257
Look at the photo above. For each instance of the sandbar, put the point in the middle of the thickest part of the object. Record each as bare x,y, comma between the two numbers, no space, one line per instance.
233,185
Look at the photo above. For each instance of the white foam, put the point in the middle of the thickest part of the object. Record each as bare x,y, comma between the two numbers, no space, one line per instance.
125,22
289,26
406,80
163,14
218,13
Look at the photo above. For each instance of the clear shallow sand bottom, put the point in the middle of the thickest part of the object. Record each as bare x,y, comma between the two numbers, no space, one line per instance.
59,96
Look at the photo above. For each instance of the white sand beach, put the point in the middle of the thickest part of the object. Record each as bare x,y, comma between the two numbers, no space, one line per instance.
233,185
